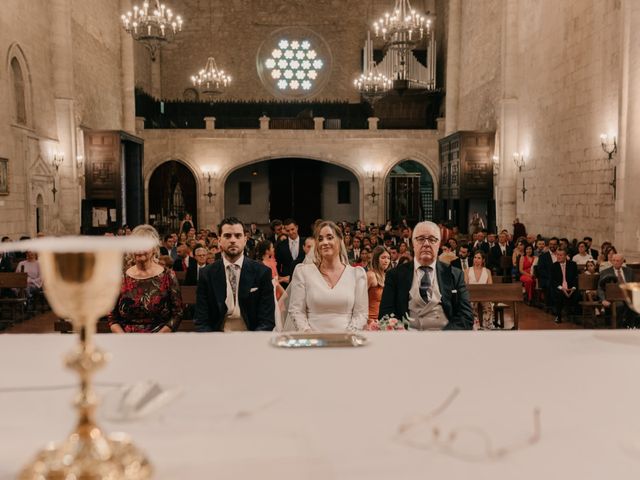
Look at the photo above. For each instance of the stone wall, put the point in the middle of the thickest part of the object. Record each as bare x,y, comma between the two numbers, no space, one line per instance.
570,81
480,81
239,27
227,151
549,99
72,66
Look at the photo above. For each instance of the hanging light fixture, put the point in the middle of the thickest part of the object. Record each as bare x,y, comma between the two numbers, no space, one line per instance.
152,28
404,27
371,84
402,30
211,80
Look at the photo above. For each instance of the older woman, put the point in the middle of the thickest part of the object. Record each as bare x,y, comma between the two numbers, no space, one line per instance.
328,294
150,298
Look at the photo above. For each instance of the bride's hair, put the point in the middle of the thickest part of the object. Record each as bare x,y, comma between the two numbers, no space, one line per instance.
344,259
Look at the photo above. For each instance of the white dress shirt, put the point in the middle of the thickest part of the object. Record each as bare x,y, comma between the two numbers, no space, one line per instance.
294,247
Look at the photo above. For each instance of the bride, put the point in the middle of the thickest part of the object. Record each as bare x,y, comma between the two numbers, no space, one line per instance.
328,295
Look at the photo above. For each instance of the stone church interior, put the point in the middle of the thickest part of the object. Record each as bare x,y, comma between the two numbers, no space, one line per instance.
319,172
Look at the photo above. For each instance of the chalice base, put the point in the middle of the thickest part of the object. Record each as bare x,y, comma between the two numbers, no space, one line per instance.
89,457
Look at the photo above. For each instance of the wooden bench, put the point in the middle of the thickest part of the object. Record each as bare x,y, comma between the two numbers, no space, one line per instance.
510,293
613,293
11,281
181,276
588,282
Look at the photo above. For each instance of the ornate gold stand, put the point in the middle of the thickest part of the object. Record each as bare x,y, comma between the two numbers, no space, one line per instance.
81,286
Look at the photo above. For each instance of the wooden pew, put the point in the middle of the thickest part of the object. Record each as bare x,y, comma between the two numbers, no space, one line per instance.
18,281
498,293
588,282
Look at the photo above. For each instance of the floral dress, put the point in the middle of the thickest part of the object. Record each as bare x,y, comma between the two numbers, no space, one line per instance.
148,304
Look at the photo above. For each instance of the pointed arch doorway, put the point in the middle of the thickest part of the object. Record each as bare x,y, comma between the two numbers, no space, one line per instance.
172,193
410,193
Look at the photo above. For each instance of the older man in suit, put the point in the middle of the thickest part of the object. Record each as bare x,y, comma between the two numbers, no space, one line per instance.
234,293
432,293
289,252
618,273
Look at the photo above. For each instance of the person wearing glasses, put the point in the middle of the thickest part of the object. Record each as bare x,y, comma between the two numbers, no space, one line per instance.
432,294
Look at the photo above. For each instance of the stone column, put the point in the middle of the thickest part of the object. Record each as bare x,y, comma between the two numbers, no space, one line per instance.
373,123
140,124
506,191
67,219
264,122
318,123
627,209
128,76
210,123
453,66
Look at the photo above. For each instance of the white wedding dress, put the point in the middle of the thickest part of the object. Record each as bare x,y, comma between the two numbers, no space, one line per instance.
315,306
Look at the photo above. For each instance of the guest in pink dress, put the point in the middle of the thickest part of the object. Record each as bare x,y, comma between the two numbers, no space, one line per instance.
526,275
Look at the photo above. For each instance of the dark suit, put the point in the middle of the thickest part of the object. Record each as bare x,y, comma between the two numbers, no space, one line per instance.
495,254
6,265
482,246
458,263
594,253
178,267
284,262
628,318
255,297
191,277
456,306
560,300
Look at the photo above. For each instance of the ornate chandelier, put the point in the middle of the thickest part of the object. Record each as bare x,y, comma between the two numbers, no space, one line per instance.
371,84
403,28
211,81
152,28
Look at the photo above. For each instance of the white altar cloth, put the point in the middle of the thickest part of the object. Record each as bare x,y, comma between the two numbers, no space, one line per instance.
253,411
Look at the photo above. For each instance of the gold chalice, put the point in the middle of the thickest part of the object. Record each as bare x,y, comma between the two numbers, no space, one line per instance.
82,278
631,293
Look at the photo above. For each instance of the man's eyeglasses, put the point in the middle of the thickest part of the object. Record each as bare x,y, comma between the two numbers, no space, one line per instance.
422,240
469,443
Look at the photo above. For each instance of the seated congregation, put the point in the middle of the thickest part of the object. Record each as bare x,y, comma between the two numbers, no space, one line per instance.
349,277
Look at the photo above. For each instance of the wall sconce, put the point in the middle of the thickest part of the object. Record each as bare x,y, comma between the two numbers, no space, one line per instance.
208,175
610,148
56,161
519,160
496,165
373,194
79,162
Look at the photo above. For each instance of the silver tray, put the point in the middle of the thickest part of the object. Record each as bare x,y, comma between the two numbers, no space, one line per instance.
318,340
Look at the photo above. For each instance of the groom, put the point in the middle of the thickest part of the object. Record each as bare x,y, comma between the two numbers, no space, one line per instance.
234,293
432,293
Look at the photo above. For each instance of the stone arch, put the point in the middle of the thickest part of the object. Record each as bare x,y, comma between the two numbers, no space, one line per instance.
338,194
172,190
415,189
20,86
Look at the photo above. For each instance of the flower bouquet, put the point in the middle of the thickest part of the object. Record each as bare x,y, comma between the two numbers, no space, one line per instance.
389,322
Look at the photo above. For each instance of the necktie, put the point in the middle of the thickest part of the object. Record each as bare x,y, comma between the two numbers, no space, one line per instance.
620,276
564,275
294,249
185,264
425,283
464,264
233,280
